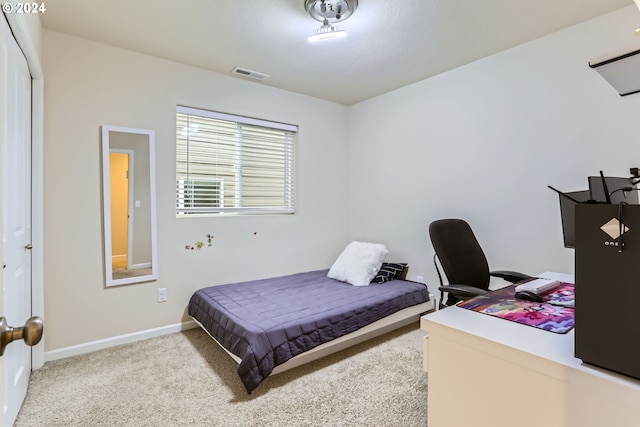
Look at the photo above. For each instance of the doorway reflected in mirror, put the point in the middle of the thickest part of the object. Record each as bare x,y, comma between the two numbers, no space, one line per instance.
129,205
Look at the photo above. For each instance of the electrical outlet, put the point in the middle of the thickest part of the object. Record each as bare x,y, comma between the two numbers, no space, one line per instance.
162,294
420,279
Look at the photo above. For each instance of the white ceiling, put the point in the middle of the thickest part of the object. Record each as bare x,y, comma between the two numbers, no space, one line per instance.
391,43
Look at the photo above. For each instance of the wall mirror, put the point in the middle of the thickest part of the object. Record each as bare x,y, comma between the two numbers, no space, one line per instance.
129,205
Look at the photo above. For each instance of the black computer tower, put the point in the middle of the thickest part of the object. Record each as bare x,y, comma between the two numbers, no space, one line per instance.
607,275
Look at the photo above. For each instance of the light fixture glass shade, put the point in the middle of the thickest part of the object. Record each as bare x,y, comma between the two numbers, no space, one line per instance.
330,12
327,32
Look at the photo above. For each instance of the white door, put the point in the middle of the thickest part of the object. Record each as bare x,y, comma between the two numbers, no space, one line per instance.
15,219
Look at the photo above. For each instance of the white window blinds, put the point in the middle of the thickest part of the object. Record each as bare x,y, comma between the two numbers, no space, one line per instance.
227,163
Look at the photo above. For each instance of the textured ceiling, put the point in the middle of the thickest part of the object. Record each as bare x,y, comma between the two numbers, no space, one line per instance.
391,43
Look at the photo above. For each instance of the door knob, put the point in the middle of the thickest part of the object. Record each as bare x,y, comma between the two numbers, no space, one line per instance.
31,332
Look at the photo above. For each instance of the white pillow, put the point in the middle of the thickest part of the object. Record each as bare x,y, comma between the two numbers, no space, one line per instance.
358,263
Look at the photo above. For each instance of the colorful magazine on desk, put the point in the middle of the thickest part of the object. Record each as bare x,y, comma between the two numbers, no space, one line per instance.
554,314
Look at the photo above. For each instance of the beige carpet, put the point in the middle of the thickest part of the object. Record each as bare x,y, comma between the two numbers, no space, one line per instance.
185,379
123,273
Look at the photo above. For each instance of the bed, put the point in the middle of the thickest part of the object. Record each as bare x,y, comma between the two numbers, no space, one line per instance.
271,325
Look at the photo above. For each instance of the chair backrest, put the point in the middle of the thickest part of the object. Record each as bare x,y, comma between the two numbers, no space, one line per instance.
459,252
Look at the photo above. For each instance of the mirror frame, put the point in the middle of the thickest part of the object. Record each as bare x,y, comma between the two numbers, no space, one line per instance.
106,204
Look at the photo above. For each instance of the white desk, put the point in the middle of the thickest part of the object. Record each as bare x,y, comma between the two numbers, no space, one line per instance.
486,371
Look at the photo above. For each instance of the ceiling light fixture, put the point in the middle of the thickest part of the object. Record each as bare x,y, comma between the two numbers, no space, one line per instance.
327,32
329,12
637,2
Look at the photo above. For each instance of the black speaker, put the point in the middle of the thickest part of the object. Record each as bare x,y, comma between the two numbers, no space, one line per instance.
607,291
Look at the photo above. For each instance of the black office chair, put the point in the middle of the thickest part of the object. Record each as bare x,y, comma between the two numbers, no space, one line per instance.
463,261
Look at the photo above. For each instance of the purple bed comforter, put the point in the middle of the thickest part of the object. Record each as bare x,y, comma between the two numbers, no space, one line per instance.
267,322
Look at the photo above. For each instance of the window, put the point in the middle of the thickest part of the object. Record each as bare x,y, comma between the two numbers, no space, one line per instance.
232,164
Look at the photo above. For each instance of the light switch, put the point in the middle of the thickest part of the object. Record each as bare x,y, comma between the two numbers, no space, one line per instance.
137,203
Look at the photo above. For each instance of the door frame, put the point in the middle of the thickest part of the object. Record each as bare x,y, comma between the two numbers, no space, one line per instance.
23,27
130,183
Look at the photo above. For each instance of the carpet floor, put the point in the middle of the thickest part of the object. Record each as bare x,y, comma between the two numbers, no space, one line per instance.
186,379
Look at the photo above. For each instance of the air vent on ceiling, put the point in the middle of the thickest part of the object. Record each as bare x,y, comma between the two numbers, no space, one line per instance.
251,74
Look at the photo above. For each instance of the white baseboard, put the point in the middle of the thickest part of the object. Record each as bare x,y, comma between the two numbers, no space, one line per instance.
141,265
92,346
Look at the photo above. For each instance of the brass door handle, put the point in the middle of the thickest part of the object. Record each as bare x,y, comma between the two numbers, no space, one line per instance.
31,332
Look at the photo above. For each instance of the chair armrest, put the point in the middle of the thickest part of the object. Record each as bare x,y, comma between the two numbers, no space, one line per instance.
510,276
464,291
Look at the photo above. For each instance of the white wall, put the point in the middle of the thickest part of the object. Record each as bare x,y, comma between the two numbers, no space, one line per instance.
482,143
88,85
